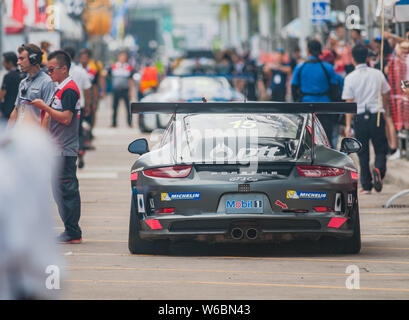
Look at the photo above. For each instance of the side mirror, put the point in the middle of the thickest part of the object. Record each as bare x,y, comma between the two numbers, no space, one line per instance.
350,145
139,146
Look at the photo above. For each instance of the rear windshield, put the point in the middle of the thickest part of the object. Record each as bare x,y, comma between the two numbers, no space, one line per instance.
239,138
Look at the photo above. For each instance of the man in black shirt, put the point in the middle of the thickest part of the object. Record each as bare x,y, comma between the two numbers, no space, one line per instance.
9,87
279,74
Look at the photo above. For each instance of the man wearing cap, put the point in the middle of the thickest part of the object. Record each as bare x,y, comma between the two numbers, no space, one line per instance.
313,81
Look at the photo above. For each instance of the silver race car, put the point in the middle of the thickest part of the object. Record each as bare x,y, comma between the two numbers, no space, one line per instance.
243,172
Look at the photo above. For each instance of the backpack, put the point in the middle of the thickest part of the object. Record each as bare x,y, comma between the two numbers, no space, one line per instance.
333,92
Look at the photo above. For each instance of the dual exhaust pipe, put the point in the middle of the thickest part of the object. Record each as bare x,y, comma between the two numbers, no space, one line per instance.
238,233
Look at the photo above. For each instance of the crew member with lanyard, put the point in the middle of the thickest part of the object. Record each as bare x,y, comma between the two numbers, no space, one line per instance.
312,81
62,119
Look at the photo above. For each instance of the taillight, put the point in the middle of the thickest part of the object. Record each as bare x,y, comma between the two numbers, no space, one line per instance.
354,175
319,171
323,209
165,210
134,176
169,172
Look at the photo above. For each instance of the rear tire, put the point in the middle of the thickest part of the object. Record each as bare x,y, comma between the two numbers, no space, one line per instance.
350,245
136,245
353,244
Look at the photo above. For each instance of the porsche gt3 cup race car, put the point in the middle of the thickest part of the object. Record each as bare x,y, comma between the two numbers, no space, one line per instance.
243,172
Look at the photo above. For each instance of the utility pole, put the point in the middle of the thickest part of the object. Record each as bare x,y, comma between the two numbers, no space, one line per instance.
279,18
304,12
1,28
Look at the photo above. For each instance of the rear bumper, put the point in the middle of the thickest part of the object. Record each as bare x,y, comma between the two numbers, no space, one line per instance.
220,227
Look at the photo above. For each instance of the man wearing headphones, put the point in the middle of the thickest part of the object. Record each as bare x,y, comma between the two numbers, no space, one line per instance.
37,84
63,118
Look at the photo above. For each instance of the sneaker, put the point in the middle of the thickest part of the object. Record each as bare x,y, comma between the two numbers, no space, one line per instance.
63,238
377,180
394,156
365,191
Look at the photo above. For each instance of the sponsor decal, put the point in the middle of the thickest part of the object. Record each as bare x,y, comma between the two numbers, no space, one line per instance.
244,204
180,196
350,199
245,173
281,204
291,194
243,179
152,203
338,202
141,203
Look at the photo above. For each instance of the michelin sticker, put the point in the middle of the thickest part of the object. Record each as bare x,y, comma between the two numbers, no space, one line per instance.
180,196
291,194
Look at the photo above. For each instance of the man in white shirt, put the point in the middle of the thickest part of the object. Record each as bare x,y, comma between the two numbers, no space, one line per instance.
364,86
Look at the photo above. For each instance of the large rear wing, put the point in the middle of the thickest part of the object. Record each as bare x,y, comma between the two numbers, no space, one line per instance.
243,107
247,107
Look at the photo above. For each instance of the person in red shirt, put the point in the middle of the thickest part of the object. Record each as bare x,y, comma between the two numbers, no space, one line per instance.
122,82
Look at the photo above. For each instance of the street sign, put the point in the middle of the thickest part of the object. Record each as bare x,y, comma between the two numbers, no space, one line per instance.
402,11
320,10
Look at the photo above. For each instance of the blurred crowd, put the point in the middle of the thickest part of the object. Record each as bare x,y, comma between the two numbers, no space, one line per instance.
50,84
269,78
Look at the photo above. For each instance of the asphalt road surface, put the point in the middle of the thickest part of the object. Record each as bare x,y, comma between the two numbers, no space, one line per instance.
102,267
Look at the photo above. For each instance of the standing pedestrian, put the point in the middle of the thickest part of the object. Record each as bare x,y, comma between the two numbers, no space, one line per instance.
315,81
149,79
280,72
37,84
9,87
80,77
96,76
363,86
329,57
122,84
64,117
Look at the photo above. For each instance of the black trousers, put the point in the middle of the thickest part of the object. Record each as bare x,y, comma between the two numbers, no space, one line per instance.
67,196
328,122
367,130
278,95
118,95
